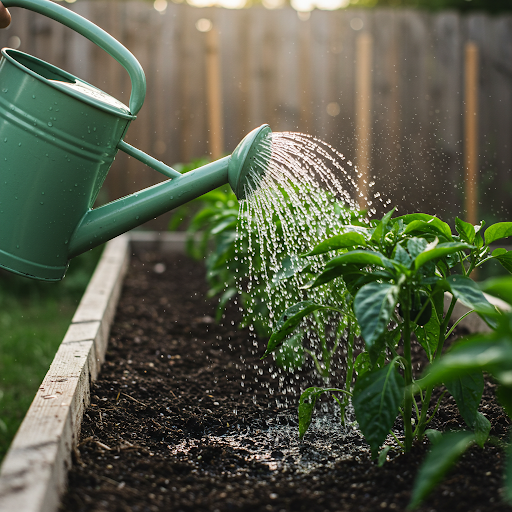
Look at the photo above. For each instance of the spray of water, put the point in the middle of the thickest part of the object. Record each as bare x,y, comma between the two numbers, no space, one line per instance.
307,193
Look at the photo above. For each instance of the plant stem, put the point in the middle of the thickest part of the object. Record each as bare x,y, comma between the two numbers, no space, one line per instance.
350,369
439,350
407,373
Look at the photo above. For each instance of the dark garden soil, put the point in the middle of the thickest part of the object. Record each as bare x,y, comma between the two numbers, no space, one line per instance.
184,417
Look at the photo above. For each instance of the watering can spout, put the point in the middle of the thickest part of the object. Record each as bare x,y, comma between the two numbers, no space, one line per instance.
242,170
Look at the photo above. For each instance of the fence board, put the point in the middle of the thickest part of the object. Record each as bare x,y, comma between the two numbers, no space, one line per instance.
287,72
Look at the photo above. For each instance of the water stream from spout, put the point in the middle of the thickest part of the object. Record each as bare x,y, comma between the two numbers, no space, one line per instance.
307,194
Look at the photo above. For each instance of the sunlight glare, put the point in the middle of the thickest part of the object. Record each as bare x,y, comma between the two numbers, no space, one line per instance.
160,5
201,3
231,4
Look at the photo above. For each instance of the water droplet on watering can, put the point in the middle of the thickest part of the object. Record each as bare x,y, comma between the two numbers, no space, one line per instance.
5,140
42,193
51,108
5,90
50,123
19,143
42,202
76,184
17,247
33,96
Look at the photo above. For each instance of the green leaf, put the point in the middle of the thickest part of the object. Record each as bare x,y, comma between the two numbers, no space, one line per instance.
480,352
504,396
343,241
416,246
479,241
356,279
467,291
482,429
505,260
402,256
500,287
424,223
362,364
359,257
224,225
381,226
467,391
465,230
290,355
440,459
289,321
497,231
377,398
383,455
428,336
439,251
374,304
328,275
434,436
307,403
289,268
498,252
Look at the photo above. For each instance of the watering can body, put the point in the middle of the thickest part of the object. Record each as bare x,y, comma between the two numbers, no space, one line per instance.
58,138
56,152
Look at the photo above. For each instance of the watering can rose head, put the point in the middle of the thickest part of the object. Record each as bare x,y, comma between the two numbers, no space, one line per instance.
59,137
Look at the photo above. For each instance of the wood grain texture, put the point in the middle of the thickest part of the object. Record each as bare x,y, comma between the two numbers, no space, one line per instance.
300,75
33,474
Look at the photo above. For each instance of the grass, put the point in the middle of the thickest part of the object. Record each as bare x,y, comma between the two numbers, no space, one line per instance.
34,317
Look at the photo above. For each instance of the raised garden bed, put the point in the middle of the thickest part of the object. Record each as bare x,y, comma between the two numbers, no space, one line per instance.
184,416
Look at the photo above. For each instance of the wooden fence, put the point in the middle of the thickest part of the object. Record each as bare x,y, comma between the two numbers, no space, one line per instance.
206,90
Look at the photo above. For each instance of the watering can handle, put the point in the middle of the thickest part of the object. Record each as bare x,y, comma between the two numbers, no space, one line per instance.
98,36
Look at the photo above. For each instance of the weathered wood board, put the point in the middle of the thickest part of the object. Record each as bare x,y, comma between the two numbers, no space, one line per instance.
34,472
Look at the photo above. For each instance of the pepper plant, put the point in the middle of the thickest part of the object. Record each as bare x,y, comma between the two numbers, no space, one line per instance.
484,352
397,272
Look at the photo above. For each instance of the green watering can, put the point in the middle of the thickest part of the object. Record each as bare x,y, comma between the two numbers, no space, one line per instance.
58,138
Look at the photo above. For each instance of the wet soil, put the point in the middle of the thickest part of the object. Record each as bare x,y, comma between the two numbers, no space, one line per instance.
185,417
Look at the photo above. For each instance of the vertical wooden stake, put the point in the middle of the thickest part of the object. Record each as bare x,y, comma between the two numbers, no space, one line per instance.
214,95
363,114
305,37
471,131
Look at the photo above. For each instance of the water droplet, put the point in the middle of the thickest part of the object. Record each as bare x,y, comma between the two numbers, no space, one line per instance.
50,123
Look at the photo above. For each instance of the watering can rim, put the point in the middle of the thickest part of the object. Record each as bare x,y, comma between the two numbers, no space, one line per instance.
125,114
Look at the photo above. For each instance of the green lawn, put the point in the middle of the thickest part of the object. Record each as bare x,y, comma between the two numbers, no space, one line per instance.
34,317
